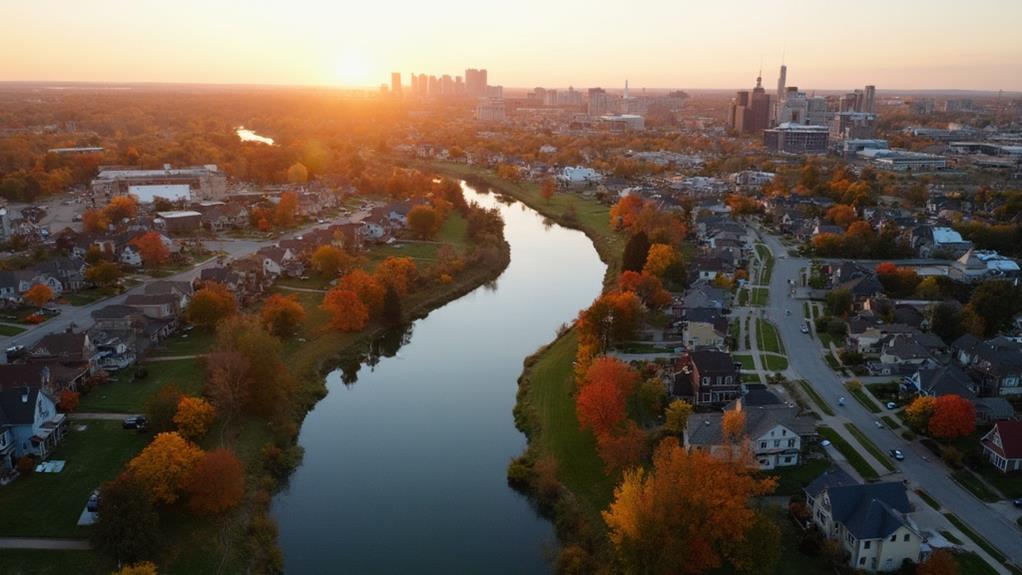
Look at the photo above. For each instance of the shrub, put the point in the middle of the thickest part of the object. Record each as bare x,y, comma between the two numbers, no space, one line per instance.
26,464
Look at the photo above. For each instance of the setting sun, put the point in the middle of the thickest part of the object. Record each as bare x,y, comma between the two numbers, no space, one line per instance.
352,69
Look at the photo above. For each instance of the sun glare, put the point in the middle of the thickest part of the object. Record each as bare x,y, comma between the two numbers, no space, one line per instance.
353,70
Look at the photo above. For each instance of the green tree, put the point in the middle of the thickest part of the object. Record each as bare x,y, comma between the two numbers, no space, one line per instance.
839,302
636,251
127,528
392,313
997,302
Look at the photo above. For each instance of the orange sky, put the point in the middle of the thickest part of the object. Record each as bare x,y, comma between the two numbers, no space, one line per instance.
895,44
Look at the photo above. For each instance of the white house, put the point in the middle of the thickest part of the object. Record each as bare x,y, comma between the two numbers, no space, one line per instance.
775,434
29,424
578,176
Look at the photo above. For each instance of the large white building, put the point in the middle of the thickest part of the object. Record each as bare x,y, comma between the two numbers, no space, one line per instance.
193,183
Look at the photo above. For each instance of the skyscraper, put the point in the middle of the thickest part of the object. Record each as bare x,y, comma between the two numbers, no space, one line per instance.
475,82
782,80
871,94
750,113
598,102
395,83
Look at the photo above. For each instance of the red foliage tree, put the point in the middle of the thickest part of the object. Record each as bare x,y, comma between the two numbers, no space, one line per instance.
647,286
216,484
610,369
150,247
953,416
347,312
623,448
600,406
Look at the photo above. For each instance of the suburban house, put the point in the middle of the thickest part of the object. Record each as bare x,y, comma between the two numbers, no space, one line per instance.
181,289
938,241
708,377
279,261
1003,446
870,521
157,306
703,327
29,424
131,326
995,364
903,349
66,348
14,283
776,434
54,376
70,271
940,380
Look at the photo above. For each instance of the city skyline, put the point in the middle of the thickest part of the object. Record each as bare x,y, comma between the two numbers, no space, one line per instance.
907,46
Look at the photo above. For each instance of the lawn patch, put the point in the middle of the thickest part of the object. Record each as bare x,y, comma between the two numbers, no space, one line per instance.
975,485
815,397
871,447
129,395
851,454
748,363
860,395
773,362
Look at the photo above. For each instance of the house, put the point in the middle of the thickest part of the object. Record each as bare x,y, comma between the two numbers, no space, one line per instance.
183,290
222,217
941,380
1003,446
710,267
708,377
279,261
703,295
996,364
66,348
703,327
130,256
29,424
903,348
56,376
129,325
157,306
938,241
70,271
870,521
978,265
776,434
14,283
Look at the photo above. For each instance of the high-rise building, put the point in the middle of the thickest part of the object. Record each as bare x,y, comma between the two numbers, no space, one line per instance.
446,85
797,139
871,95
782,80
598,104
395,83
750,113
475,82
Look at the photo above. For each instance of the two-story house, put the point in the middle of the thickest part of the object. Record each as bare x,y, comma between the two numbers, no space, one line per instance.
707,376
870,521
29,424
66,348
1003,446
775,434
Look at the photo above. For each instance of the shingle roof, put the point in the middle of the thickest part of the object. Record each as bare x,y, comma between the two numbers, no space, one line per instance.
871,511
832,477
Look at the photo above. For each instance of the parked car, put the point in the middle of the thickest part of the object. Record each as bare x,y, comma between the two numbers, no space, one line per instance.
1017,502
891,405
134,422
879,424
93,505
805,327
897,454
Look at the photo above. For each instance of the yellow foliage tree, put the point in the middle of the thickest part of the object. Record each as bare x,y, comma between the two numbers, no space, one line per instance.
660,257
143,568
165,465
194,416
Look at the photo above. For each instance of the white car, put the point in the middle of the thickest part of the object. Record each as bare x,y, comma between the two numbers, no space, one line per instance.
805,329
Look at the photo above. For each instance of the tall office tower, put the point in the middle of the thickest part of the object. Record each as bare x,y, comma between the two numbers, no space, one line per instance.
750,113
475,82
550,98
782,80
434,86
598,102
395,83
447,85
414,87
736,114
871,95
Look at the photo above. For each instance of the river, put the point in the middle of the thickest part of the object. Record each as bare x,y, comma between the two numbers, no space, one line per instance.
405,468
252,136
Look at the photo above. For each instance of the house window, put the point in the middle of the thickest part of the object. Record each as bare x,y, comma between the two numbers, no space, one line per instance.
866,544
791,443
784,432
906,537
706,381
762,445
787,459
862,560
894,538
777,443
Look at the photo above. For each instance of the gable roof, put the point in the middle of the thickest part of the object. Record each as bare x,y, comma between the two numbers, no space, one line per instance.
832,477
870,511
946,380
1011,439
17,405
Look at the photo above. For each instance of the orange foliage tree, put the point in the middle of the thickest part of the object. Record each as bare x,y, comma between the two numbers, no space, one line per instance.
424,221
165,465
95,221
611,318
287,209
842,215
547,189
216,484
347,312
940,562
648,287
659,259
622,448
918,412
282,315
625,213
121,207
684,514
68,401
194,416
399,273
143,568
38,295
211,304
612,369
953,416
368,288
600,406
329,261
150,247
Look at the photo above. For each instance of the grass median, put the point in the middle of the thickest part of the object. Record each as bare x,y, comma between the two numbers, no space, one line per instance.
855,459
871,447
815,397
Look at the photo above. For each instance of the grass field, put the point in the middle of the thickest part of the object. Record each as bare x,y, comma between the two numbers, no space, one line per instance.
50,562
929,500
747,362
871,447
815,397
791,480
976,537
865,400
9,330
760,296
973,483
773,362
851,454
129,395
49,504
767,337
186,343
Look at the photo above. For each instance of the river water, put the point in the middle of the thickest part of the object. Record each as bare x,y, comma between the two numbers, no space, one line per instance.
406,457
252,136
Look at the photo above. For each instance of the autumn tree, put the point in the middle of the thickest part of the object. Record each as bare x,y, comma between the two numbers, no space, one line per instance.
683,515
227,382
676,419
329,261
897,281
150,246
142,568
165,465
940,562
95,221
297,173
346,311
651,395
615,371
547,189
659,259
161,408
286,210
121,208
68,401
256,361
648,287
369,290
613,317
622,448
423,221
209,305
733,426
636,252
397,272
127,526
625,213
918,413
842,215
953,416
38,295
760,550
217,483
600,406
194,416
103,273
282,315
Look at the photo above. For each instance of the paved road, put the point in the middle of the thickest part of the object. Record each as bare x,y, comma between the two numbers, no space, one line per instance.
44,543
994,522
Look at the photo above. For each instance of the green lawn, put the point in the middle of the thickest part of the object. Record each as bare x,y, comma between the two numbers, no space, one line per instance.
751,378
743,297
746,360
871,447
767,337
774,362
972,564
1008,484
186,343
891,423
551,407
91,295
970,481
49,504
851,454
865,400
806,314
8,330
976,537
928,499
791,480
49,562
760,295
815,397
128,395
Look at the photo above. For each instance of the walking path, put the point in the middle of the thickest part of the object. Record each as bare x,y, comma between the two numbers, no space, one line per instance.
158,358
45,543
98,416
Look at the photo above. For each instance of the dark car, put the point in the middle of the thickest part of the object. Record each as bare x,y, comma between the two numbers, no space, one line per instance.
897,454
1017,502
134,422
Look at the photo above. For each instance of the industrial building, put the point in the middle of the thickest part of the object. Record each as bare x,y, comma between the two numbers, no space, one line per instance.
797,139
199,183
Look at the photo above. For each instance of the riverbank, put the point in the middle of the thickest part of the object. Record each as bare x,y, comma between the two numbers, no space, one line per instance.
545,411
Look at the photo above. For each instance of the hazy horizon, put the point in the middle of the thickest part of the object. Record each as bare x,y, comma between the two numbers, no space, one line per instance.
906,46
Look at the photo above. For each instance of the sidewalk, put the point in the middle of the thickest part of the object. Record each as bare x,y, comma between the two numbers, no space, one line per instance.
45,544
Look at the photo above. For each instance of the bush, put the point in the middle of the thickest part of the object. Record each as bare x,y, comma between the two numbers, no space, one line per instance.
26,464
851,358
519,473
952,456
